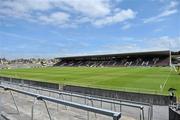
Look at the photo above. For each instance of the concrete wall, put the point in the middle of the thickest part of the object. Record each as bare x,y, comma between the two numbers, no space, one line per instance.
173,114
139,97
31,82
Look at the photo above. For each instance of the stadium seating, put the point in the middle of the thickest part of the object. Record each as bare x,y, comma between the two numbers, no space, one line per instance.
111,63
117,60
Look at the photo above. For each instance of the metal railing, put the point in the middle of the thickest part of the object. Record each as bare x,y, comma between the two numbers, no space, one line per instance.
119,102
114,115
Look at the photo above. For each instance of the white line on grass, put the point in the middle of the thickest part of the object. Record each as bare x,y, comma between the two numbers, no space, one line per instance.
164,84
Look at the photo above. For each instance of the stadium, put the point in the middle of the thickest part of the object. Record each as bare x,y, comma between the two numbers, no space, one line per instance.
89,60
108,78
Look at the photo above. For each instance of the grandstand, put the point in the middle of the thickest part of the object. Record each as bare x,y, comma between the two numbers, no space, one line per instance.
153,58
62,102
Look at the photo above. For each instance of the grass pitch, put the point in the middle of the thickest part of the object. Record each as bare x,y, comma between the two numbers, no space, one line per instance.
134,79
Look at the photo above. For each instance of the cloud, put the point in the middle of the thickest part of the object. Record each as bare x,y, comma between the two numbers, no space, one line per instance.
166,42
146,44
160,16
118,17
158,30
126,26
168,10
172,5
23,8
119,48
18,36
90,8
66,12
55,18
21,45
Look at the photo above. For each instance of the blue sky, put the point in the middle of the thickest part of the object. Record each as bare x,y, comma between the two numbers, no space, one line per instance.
53,28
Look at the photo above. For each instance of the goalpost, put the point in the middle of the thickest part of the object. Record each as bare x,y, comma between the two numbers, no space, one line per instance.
172,67
170,62
175,67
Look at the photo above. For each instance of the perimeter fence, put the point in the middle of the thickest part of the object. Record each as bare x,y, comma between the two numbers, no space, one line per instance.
136,110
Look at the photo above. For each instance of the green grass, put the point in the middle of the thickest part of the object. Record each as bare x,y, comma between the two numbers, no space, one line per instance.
135,79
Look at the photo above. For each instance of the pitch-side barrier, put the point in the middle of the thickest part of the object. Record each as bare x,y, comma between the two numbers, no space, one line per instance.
133,104
114,115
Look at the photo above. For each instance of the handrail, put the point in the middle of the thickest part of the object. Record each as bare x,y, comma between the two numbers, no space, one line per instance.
115,115
112,101
82,96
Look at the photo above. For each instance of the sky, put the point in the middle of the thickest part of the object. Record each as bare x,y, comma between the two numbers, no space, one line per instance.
57,28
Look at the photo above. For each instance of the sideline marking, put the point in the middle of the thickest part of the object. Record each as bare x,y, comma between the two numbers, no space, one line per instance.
164,84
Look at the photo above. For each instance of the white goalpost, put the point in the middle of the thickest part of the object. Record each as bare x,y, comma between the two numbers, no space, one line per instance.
172,66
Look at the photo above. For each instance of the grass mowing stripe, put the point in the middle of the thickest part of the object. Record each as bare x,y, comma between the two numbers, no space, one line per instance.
115,78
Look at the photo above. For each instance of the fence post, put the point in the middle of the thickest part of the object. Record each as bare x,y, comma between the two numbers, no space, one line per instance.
101,104
63,99
93,106
32,109
142,113
14,102
47,109
120,107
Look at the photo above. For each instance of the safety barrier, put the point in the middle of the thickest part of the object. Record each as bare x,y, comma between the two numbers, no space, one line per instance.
114,115
121,102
